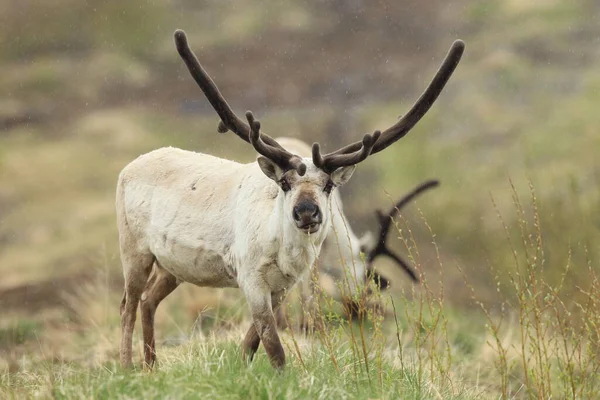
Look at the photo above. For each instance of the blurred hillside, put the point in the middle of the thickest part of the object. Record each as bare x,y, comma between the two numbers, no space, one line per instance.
85,87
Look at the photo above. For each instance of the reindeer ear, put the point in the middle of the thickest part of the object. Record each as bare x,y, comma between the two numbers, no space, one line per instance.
341,175
269,168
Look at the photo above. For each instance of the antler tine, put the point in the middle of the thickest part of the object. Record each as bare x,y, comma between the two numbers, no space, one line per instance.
419,108
278,155
229,121
330,163
403,264
385,221
430,184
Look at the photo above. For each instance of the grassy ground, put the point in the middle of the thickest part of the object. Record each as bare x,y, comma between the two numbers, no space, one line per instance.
214,368
508,308
538,342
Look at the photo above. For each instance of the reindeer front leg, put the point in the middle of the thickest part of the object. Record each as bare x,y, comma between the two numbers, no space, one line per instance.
264,328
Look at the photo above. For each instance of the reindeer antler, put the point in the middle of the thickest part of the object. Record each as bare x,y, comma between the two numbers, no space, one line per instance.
348,155
278,156
329,164
385,221
262,142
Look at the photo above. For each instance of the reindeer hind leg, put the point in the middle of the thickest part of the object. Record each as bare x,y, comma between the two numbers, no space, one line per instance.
159,286
136,269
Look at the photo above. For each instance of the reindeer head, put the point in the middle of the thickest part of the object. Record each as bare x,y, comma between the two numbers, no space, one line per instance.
305,188
305,197
305,183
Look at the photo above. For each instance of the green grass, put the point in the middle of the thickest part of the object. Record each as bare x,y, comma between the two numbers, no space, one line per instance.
215,369
19,332
539,340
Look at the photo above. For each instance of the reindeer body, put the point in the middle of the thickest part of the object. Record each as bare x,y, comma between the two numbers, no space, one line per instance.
210,221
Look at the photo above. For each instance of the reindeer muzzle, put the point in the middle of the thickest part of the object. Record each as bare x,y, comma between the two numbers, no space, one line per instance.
307,216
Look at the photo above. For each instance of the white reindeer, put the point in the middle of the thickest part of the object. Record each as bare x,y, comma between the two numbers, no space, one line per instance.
214,222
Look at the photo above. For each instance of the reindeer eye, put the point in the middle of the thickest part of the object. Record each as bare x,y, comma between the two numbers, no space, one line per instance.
284,184
328,187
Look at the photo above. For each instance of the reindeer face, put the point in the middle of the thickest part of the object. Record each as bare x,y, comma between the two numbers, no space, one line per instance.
306,198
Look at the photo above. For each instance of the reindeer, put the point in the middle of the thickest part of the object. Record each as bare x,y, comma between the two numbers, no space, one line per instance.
341,257
218,223
380,247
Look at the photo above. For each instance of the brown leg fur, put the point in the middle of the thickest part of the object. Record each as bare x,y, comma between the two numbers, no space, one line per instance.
264,328
137,269
280,318
250,343
122,309
159,286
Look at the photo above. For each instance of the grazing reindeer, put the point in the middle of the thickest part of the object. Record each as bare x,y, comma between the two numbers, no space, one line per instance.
342,248
214,222
381,248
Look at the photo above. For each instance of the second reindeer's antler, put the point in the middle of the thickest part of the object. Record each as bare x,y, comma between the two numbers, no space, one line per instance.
385,220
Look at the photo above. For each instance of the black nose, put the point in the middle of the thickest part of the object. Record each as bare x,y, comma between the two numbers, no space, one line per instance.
307,213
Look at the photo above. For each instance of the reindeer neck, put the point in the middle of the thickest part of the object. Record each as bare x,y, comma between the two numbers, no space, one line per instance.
295,251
